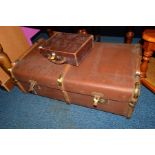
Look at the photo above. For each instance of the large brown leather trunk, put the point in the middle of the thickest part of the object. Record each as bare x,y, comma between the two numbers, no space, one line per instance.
106,80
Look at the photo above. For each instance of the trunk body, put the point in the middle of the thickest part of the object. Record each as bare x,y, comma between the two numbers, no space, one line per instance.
105,80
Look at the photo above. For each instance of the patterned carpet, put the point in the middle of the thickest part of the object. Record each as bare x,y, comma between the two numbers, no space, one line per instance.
19,110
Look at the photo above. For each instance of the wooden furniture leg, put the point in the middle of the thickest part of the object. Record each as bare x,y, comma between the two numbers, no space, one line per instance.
129,37
148,68
149,48
82,31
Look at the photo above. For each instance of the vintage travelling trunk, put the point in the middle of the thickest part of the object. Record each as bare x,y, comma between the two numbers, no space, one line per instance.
108,79
67,48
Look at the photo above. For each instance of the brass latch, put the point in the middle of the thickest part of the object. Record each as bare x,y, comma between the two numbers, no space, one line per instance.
56,58
97,99
52,57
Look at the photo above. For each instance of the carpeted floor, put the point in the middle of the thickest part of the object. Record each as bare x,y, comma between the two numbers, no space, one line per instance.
19,110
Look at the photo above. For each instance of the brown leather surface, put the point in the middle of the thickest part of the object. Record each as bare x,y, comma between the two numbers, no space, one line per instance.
109,70
73,47
36,67
112,106
46,91
115,107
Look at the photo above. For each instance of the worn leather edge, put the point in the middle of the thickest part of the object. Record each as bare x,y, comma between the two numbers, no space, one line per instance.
75,54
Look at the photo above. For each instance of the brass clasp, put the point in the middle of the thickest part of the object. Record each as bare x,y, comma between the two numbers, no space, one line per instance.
56,58
52,57
97,99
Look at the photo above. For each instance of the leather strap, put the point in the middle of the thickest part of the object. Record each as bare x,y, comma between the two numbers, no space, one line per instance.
66,96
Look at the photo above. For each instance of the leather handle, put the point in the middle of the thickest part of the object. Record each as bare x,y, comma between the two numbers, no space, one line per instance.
52,56
57,60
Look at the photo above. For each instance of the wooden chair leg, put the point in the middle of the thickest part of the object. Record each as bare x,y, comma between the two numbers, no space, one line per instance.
129,37
83,31
148,52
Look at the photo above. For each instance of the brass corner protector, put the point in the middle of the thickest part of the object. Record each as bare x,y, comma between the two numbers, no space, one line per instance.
134,98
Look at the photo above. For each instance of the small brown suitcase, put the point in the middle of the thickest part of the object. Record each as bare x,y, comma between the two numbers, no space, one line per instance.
67,48
108,79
